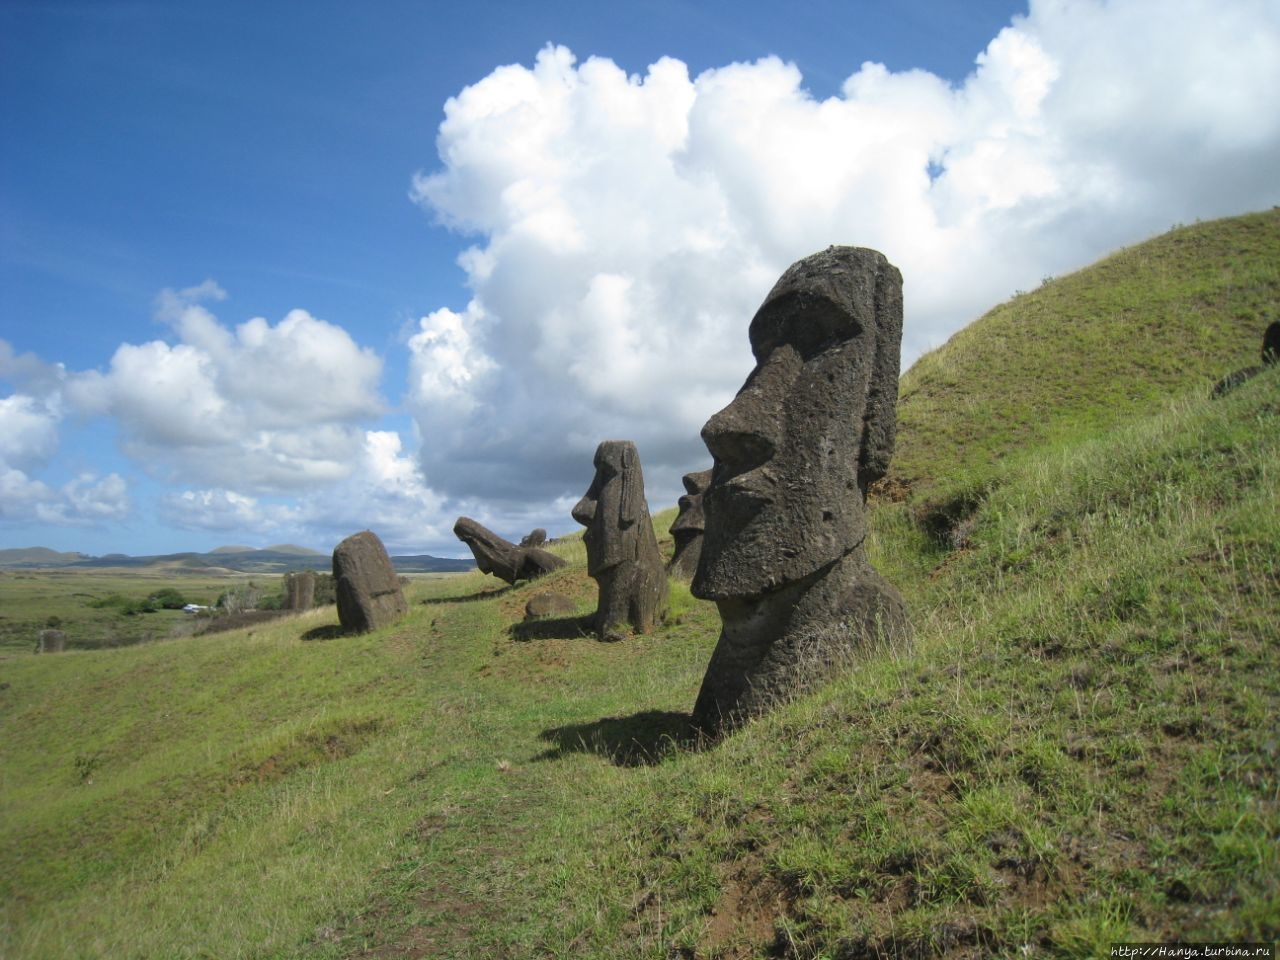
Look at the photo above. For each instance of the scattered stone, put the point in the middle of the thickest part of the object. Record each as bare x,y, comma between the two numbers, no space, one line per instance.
622,552
502,558
547,604
783,552
687,528
367,587
51,641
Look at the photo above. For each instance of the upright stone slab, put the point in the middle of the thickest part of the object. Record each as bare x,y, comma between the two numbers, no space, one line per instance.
366,584
300,590
622,552
51,641
783,552
686,529
502,558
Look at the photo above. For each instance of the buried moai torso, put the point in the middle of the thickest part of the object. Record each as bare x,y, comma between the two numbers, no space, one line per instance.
783,551
686,529
622,552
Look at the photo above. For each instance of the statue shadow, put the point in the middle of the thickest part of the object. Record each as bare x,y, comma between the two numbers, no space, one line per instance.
640,740
330,631
469,597
554,628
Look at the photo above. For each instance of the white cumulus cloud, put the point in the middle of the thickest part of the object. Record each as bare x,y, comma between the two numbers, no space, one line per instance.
258,408
628,225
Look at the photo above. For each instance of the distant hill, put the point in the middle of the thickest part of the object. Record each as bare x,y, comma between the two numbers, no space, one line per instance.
283,559
38,556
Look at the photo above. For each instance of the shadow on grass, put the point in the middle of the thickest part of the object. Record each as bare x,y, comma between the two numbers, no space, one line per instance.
330,631
640,740
485,594
554,628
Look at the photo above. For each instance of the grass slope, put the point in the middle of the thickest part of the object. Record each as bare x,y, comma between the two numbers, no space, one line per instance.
1087,351
1080,746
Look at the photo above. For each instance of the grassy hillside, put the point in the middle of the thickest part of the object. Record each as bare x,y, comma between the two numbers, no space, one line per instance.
1080,745
1087,351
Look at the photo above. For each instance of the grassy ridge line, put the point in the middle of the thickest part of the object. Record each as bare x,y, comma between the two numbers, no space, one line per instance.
1086,351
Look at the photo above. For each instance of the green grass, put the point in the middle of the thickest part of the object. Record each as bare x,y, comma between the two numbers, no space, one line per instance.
1079,746
1084,352
90,607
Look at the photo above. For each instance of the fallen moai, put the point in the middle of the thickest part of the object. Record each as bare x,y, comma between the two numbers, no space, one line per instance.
783,552
366,585
502,558
622,552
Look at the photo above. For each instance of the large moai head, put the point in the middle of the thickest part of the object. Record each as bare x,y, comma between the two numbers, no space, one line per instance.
613,506
810,429
366,584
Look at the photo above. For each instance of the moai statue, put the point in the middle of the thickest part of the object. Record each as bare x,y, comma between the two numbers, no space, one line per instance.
366,584
300,590
622,552
687,528
502,558
537,537
783,552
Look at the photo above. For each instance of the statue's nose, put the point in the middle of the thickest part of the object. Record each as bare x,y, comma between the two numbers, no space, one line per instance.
584,511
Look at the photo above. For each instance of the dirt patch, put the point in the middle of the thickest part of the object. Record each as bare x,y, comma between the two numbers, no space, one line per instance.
744,921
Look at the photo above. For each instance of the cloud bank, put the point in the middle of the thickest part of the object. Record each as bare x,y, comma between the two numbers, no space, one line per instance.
628,225
624,227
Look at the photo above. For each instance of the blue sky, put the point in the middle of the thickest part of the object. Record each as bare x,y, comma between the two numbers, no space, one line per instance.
278,272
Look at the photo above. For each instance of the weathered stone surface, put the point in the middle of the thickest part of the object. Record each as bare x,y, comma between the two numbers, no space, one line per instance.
300,590
686,530
51,641
783,551
534,538
547,604
366,584
502,558
622,552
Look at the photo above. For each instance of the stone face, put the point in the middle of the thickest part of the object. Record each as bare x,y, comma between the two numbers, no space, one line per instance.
622,552
366,585
686,530
785,512
534,538
502,558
